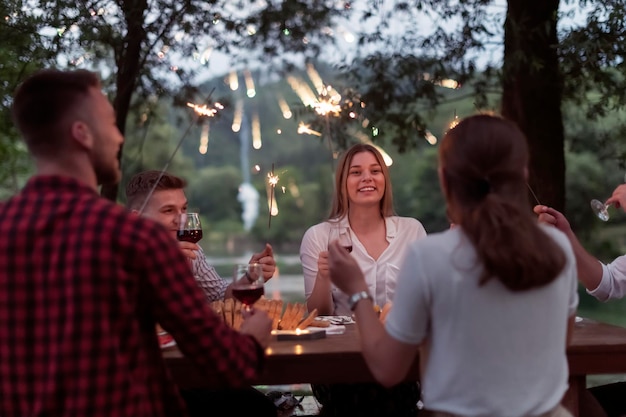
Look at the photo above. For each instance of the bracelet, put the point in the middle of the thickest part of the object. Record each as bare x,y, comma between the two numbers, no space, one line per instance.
355,298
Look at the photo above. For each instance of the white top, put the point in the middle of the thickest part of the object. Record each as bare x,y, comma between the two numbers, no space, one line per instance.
493,352
613,284
380,274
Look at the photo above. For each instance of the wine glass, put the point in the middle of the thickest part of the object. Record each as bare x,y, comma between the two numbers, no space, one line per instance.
189,228
342,234
248,284
600,209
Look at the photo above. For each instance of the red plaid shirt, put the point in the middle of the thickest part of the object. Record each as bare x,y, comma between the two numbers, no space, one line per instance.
82,284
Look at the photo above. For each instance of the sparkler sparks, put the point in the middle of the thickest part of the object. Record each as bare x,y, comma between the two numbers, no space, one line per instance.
327,104
204,110
455,121
272,180
305,129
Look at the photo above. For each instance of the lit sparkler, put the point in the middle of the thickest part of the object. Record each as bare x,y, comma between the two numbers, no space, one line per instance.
204,110
180,142
305,129
327,104
455,121
272,180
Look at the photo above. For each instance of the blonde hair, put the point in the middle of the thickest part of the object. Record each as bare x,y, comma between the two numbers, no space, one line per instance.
340,204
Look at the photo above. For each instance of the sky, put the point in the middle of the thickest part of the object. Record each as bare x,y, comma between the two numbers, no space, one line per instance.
220,64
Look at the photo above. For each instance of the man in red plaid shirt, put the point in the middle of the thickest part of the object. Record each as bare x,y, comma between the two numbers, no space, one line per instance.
83,282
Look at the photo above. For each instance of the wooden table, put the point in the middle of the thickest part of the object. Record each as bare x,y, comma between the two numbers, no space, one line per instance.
597,348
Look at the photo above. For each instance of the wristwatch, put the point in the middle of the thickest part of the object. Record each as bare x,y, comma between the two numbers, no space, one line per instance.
355,298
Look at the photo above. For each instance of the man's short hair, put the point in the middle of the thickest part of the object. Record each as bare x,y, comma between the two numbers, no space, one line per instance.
43,103
140,185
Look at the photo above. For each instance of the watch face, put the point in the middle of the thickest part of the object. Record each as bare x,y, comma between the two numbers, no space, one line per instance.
355,298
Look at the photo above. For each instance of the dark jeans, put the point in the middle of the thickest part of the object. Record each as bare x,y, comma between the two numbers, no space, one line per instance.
368,400
243,402
612,398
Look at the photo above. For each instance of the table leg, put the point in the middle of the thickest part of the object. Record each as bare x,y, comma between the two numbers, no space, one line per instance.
571,399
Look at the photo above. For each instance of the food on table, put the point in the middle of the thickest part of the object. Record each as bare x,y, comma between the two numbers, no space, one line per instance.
293,316
318,322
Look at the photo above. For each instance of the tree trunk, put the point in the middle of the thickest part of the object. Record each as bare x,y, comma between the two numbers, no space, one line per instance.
127,59
531,97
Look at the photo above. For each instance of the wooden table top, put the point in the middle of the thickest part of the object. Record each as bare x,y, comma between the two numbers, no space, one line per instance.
596,348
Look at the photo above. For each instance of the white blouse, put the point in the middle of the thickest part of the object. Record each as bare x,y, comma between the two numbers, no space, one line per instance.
380,274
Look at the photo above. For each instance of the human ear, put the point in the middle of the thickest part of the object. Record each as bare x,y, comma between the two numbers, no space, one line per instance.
81,133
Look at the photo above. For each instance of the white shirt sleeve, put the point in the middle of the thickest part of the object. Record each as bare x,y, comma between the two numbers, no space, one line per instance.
314,241
613,283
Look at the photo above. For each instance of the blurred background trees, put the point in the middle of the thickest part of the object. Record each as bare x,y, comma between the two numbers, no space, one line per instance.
555,67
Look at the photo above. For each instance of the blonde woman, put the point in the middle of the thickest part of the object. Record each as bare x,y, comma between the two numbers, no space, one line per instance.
363,209
491,302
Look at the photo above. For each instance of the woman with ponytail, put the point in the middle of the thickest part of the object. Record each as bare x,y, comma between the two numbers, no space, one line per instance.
489,304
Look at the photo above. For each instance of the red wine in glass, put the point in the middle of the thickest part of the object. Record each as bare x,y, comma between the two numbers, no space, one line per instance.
247,284
189,228
192,236
248,294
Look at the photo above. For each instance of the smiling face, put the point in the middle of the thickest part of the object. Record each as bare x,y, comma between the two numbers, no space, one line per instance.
365,183
165,207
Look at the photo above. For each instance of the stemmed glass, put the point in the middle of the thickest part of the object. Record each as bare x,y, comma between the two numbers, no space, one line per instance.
600,209
342,234
248,284
189,228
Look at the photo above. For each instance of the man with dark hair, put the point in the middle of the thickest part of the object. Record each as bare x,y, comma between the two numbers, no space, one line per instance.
165,205
83,282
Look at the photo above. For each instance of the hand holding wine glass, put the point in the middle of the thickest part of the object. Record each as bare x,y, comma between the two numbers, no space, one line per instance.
600,208
189,228
247,285
341,234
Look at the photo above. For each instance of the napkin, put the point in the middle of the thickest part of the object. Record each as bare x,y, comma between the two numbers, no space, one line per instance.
337,319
